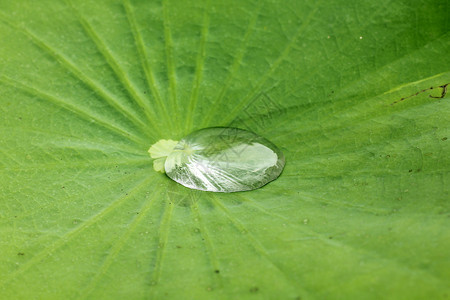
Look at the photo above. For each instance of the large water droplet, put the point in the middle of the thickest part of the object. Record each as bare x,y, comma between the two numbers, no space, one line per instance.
224,160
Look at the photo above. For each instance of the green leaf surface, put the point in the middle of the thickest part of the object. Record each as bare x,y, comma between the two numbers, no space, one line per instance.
361,210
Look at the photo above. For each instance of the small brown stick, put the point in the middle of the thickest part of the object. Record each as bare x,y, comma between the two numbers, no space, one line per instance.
444,92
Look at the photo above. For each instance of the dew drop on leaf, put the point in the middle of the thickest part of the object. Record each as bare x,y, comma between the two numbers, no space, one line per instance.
222,159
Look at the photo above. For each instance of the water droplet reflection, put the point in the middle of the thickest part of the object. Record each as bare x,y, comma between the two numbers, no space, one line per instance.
224,160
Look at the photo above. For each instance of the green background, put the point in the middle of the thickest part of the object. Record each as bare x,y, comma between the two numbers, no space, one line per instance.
361,210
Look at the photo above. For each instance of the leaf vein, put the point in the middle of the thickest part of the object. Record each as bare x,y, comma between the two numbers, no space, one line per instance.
63,240
88,116
199,69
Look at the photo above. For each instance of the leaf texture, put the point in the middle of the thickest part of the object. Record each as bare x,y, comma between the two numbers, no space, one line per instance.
361,210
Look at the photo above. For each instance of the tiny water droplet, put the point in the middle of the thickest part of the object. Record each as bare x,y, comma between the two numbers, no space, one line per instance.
224,159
